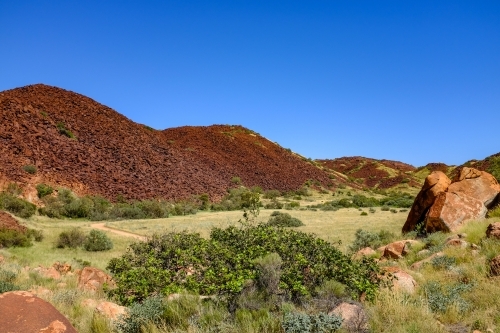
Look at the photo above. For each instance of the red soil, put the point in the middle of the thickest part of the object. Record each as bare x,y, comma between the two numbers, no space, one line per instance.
8,222
113,156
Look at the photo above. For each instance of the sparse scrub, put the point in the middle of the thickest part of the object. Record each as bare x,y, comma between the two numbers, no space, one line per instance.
97,241
14,238
72,239
374,240
271,194
61,127
44,190
30,168
16,206
279,219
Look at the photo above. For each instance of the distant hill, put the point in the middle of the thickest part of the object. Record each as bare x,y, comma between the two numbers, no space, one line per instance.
372,173
490,164
73,141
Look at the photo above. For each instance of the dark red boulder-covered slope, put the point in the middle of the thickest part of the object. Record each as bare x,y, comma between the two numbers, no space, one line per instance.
74,141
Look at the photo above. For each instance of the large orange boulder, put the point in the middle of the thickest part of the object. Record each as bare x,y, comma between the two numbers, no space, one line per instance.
477,184
93,279
450,210
23,312
435,183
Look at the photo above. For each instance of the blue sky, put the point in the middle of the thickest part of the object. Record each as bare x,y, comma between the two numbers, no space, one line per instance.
413,81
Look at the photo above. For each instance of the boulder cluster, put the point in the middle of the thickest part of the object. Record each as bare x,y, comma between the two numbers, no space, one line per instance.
444,204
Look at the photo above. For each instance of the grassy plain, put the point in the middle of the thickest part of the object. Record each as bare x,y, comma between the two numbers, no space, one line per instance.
333,226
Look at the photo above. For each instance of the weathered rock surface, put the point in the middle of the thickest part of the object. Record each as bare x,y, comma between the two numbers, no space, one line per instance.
398,249
435,183
493,230
111,155
450,210
111,310
354,316
93,279
23,312
495,266
457,242
445,207
402,281
62,268
364,252
477,184
50,272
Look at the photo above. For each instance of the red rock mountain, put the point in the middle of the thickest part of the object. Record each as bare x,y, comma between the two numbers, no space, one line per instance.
76,142
369,172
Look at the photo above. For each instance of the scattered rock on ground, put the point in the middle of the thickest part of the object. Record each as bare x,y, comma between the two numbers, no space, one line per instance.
63,268
111,310
397,250
457,242
495,266
23,312
40,291
93,279
420,263
493,230
402,281
354,316
50,272
365,252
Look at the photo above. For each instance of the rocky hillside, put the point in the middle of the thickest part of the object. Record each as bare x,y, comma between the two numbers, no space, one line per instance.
51,135
372,173
490,164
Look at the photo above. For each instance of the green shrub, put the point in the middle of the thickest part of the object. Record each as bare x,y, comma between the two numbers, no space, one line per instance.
7,286
43,190
443,262
30,168
440,297
372,210
14,238
97,241
271,194
36,234
374,240
274,204
279,219
304,323
16,206
291,205
392,210
72,238
364,214
236,180
64,131
269,274
385,209
150,311
224,262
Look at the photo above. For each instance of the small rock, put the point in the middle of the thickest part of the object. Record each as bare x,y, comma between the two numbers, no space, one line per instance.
420,263
111,310
495,266
365,252
397,250
493,230
353,315
402,281
93,279
62,268
457,242
51,272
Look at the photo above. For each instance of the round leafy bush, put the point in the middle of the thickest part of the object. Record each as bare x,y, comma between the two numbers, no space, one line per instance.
97,241
72,238
43,190
30,168
169,263
279,219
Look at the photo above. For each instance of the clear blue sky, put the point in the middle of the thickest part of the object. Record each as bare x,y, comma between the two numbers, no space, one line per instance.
412,81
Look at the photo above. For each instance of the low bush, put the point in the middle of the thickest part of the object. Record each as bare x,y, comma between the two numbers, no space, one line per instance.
7,279
14,238
440,296
16,206
279,219
374,240
97,241
150,311
274,204
363,214
271,194
43,190
222,264
61,127
305,323
72,238
30,168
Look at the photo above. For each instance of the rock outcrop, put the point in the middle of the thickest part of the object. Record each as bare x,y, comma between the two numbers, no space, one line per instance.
353,315
437,182
402,281
495,266
93,279
443,205
23,312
